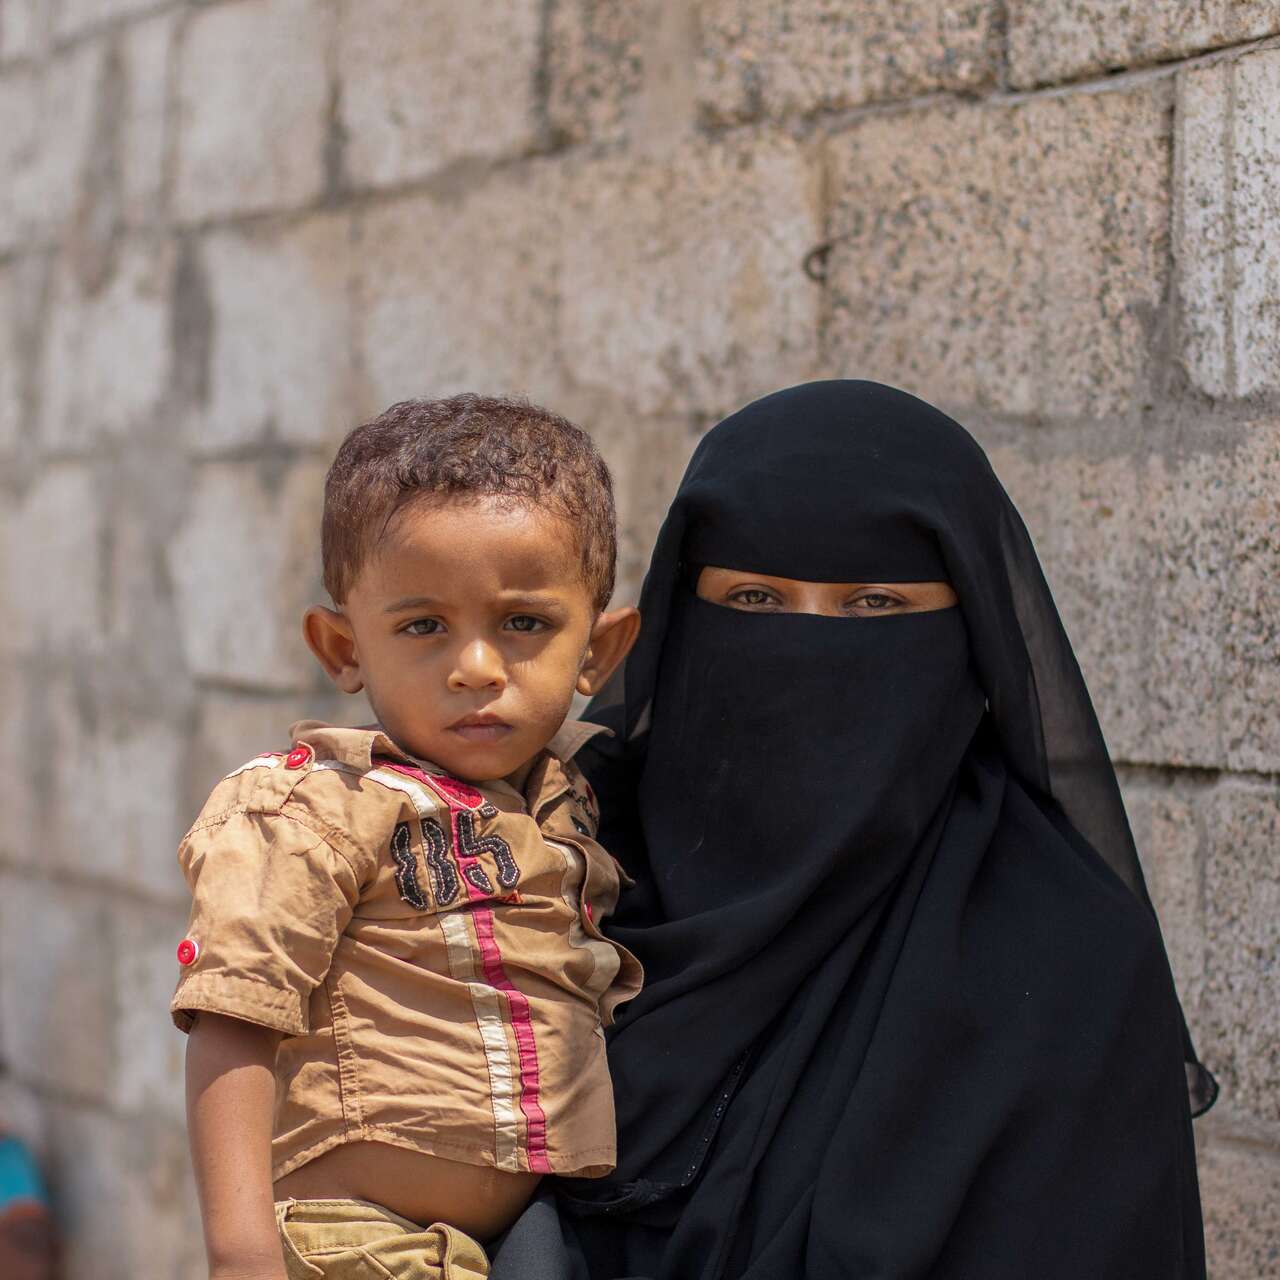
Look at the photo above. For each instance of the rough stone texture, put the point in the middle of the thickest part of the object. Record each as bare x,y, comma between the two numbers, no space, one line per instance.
130,832
106,355
285,290
46,115
1165,571
596,67
425,86
60,524
56,990
775,57
231,228
437,311
1168,827
243,583
24,28
1011,258
1240,1191
145,939
126,1198
146,49
1055,40
253,99
1242,993
15,313
74,16
1228,224
738,216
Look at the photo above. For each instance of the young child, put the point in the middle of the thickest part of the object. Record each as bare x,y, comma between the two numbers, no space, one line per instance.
394,977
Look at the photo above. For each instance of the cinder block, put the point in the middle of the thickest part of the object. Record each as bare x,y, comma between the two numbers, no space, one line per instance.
21,779
106,352
56,986
681,286
53,537
774,58
1168,825
145,51
25,28
1242,985
459,294
253,93
1228,224
423,86
1165,568
150,1049
1240,1193
245,564
46,118
596,67
116,773
19,294
75,16
1051,41
1011,258
279,343
126,1197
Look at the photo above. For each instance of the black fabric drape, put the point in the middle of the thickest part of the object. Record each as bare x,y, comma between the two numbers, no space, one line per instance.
907,1012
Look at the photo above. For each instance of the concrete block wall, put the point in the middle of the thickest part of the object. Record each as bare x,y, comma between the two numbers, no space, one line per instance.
230,229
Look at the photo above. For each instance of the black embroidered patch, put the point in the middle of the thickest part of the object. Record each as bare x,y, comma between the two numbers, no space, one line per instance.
444,875
476,874
495,846
406,867
488,810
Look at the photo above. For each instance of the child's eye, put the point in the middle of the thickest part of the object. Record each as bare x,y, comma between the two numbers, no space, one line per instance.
751,597
526,623
423,627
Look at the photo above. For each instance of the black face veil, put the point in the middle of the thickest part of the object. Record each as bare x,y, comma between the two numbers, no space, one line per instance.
907,1008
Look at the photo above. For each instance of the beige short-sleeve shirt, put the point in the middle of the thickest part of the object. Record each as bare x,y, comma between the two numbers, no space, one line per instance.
430,949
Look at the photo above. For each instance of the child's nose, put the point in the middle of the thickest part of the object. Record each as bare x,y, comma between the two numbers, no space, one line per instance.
478,666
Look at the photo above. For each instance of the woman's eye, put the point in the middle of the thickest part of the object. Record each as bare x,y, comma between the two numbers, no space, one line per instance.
423,627
525,622
877,601
751,597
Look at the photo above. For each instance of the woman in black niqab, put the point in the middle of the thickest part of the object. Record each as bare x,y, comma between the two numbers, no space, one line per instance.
907,1010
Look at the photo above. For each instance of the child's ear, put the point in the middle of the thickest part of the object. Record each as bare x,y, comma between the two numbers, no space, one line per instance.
329,636
611,639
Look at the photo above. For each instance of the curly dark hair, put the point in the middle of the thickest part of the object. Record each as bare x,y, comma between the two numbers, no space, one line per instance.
488,446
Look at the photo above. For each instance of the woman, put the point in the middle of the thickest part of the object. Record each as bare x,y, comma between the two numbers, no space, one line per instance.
907,1012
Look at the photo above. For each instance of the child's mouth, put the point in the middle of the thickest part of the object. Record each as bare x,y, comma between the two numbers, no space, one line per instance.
480,729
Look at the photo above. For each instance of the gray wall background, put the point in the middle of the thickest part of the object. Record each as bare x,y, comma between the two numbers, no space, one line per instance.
231,228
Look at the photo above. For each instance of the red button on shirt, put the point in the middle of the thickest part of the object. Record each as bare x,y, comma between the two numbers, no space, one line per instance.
296,758
188,951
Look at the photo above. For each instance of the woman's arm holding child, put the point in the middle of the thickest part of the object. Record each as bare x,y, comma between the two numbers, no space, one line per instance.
230,1100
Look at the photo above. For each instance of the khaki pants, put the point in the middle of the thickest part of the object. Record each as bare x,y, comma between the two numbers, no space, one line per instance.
355,1240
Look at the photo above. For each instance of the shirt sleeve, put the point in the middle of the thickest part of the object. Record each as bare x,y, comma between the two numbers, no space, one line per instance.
270,899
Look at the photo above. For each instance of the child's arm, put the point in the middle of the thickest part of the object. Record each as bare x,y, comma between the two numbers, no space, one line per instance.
230,1099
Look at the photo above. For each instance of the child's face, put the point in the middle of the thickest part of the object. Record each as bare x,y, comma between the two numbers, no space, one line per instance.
470,627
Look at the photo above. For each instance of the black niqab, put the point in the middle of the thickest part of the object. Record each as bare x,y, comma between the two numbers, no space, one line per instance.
907,1009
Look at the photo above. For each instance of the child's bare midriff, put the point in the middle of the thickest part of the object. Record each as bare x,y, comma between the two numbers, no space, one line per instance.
478,1199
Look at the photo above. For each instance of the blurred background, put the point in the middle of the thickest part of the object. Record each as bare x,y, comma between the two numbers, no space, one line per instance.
232,229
